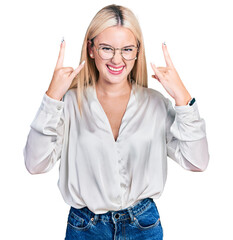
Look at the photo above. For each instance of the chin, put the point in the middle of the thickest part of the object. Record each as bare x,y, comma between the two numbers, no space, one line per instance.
116,79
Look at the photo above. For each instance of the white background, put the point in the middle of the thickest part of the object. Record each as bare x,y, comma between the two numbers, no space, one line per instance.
198,37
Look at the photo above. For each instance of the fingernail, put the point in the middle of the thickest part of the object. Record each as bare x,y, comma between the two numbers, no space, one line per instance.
62,40
164,43
83,62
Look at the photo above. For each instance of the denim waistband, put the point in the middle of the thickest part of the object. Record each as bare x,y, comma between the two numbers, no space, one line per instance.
123,214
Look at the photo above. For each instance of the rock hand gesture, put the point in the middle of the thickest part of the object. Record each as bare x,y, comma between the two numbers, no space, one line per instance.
62,76
170,80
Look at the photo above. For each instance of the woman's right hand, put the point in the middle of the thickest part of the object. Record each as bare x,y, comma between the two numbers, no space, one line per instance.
62,76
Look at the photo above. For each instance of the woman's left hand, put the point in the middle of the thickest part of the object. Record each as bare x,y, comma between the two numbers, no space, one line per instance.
170,80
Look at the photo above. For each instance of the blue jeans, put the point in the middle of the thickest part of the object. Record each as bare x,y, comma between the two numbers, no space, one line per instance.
141,221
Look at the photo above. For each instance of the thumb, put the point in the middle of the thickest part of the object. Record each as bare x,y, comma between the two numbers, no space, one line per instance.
156,77
77,70
156,71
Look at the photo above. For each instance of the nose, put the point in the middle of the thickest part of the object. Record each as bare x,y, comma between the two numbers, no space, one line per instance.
117,58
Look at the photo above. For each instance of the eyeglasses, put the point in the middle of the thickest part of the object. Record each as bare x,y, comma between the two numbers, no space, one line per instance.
107,52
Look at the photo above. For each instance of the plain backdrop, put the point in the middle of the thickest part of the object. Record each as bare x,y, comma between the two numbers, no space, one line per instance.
194,205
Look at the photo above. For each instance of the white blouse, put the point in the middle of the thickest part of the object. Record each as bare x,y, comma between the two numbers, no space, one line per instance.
103,174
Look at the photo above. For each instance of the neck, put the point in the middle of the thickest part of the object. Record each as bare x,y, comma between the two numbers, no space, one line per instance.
113,90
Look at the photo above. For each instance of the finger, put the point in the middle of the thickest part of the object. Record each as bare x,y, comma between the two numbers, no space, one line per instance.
164,68
157,72
156,77
67,69
167,56
77,70
61,55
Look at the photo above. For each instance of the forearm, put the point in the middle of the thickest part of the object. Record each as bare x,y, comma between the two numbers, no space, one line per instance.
44,141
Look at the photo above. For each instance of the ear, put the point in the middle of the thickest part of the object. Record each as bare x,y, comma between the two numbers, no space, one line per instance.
90,49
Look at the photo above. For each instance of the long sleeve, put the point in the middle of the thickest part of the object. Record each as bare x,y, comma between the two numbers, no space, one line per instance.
186,137
44,141
135,165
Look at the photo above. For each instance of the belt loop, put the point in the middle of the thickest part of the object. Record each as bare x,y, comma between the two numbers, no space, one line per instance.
131,214
96,217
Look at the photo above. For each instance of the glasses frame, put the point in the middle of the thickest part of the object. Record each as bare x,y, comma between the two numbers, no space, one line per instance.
97,49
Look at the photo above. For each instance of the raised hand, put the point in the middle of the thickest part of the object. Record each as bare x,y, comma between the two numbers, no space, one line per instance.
170,80
62,76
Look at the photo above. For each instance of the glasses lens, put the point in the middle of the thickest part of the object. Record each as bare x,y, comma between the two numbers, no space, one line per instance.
106,52
129,53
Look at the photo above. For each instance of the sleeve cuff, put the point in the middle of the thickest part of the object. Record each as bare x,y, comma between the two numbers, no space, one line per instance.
187,113
51,105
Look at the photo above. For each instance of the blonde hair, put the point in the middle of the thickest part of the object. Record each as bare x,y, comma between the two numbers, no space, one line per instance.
109,16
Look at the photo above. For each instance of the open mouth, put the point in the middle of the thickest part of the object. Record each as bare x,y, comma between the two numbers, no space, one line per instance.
114,70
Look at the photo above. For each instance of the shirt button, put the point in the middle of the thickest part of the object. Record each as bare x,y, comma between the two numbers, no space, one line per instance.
58,107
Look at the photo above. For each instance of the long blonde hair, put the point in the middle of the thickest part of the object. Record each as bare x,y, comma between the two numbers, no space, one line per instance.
109,16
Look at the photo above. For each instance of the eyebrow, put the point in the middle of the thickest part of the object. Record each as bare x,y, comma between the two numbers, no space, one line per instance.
105,44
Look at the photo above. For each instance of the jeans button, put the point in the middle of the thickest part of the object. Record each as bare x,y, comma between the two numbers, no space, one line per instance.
117,216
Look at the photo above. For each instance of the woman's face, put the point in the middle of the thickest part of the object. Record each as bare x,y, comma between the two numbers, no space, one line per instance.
117,37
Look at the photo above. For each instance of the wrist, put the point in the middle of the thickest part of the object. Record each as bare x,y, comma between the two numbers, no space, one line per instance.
182,97
183,101
51,95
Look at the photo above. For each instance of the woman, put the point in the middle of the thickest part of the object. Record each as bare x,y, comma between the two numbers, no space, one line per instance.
112,134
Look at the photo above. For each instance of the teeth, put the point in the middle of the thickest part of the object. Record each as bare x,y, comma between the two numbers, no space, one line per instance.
114,69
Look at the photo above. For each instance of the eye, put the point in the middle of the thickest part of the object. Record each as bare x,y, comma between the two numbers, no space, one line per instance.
106,49
127,49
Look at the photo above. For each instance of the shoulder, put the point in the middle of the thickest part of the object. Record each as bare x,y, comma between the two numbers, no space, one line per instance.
70,94
70,99
154,95
151,98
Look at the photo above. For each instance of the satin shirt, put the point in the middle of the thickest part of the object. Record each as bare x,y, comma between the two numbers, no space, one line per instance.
103,174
